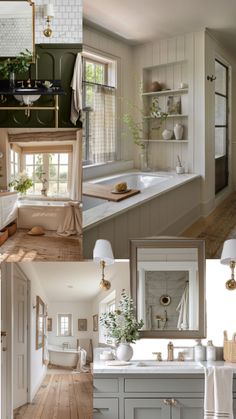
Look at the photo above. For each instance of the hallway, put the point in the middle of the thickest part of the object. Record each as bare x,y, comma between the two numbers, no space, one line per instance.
62,395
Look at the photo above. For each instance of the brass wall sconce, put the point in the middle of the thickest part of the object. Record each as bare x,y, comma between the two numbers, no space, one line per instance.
228,257
103,254
48,11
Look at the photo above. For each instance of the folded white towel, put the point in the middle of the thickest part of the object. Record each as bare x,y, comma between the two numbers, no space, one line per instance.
218,401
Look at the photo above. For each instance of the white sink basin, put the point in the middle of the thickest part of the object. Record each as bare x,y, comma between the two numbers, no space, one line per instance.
27,99
170,364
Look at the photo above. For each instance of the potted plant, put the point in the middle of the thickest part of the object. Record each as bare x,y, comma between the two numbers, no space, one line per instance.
16,65
136,127
22,184
122,327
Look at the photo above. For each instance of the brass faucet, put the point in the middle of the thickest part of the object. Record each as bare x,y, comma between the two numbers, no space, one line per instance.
170,349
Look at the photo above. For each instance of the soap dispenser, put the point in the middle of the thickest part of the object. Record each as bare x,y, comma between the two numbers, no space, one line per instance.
199,351
210,351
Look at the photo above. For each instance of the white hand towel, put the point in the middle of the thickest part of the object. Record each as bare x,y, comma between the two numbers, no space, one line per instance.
183,309
218,401
76,85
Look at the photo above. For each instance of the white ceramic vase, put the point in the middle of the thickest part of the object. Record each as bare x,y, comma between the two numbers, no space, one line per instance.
178,131
167,134
124,352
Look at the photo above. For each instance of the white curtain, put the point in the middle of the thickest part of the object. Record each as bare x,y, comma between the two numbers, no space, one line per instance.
76,86
102,125
76,172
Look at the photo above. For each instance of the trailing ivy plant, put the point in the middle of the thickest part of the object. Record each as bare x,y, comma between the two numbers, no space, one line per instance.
18,65
122,325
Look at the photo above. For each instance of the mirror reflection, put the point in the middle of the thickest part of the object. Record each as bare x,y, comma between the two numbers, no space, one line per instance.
16,27
168,286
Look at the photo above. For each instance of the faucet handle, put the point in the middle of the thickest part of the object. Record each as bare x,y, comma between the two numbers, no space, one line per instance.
158,356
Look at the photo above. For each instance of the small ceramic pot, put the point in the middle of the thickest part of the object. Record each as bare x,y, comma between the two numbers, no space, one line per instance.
178,130
124,352
155,87
167,134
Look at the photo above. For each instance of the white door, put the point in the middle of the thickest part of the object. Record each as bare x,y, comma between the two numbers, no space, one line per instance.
20,341
3,291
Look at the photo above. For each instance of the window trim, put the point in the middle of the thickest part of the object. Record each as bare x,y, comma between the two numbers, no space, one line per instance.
70,328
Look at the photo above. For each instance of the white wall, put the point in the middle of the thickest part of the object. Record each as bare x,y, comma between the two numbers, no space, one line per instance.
123,54
66,25
79,310
120,280
220,310
38,370
4,160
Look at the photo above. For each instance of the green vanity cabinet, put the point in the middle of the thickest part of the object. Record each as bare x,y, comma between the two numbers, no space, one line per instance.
149,396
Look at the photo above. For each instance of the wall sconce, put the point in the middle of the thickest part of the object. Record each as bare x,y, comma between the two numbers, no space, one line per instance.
48,12
228,257
102,253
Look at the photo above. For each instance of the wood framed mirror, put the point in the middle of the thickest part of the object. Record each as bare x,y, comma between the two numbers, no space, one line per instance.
173,268
40,323
17,27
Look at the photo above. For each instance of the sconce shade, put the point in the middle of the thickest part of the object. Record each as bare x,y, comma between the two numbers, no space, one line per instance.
229,252
48,10
103,252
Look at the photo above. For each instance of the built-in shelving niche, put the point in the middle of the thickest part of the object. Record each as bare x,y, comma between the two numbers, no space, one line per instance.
170,76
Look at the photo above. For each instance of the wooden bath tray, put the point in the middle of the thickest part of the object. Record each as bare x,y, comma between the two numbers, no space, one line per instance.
104,192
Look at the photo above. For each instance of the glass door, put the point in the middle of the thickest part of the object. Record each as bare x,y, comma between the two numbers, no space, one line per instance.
221,126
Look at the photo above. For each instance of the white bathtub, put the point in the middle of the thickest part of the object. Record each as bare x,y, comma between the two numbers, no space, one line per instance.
135,180
63,357
166,205
48,214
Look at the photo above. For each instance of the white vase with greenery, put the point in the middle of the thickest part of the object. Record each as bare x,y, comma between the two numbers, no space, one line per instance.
122,327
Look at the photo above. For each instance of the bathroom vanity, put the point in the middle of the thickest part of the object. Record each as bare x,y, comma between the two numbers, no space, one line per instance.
172,391
8,208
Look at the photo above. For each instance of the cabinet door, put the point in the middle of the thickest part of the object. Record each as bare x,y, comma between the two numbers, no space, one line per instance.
9,209
188,408
146,409
105,408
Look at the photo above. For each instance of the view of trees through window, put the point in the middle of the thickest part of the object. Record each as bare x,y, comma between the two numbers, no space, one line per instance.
54,167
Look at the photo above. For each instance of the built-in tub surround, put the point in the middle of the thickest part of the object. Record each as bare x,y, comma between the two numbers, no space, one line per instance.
163,208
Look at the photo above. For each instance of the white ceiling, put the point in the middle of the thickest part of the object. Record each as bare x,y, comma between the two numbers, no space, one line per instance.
139,21
84,277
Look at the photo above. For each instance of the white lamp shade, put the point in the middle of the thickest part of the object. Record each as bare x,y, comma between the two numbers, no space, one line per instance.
48,10
103,251
229,252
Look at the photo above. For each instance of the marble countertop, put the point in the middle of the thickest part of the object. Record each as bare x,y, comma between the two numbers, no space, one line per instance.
100,213
155,367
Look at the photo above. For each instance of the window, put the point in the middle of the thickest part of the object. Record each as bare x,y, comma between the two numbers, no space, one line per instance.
99,105
55,168
15,164
221,125
64,325
107,305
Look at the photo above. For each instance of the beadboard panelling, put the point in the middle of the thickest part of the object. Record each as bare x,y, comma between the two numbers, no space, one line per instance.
66,25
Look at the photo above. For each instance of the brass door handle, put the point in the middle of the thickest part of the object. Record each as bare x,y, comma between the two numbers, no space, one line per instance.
3,334
4,349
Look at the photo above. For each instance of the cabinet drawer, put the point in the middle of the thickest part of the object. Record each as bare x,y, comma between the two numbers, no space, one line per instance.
105,409
105,385
164,385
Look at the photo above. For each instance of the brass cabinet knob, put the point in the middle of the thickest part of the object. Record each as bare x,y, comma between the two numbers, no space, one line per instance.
173,402
167,402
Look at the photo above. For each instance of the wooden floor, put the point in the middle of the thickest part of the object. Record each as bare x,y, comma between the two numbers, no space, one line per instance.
21,247
61,396
219,226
